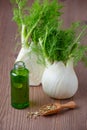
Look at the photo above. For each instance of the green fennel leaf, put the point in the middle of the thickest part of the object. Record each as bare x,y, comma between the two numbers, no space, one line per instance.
41,24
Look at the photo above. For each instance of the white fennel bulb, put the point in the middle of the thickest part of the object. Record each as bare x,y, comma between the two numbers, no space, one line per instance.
60,81
30,60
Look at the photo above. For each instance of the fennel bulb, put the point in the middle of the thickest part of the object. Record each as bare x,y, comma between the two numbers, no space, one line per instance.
32,25
42,25
60,81
30,60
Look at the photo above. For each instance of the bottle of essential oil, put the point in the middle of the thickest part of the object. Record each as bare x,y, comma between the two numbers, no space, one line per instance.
19,86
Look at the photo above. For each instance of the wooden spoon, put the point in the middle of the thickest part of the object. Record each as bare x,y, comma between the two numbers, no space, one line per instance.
56,107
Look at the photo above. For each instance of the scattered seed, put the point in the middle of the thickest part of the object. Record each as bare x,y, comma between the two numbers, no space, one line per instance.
41,111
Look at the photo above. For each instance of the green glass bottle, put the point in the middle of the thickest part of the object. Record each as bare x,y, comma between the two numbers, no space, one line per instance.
19,86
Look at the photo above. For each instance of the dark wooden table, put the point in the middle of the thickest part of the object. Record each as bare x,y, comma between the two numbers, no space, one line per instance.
13,119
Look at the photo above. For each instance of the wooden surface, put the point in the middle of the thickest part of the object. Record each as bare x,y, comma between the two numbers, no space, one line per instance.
13,119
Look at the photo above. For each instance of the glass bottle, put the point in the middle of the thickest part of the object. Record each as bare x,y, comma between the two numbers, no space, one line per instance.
19,86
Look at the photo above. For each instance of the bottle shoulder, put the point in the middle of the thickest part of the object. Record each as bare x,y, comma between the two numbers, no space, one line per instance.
22,72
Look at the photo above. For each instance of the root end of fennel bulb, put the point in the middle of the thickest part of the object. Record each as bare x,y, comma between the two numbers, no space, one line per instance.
60,81
35,69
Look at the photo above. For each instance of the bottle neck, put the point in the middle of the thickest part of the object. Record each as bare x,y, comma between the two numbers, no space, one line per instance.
20,65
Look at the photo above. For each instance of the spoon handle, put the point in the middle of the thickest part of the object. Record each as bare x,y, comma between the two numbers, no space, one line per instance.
70,104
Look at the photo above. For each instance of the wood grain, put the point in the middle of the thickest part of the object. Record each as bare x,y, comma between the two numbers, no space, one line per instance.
13,119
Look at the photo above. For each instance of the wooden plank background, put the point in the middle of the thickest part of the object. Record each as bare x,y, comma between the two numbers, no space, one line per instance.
13,119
